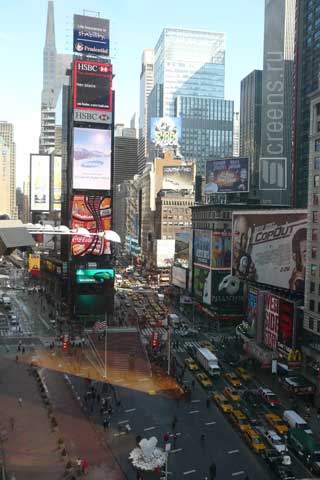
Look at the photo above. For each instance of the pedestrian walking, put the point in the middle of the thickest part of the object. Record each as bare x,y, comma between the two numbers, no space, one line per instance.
12,423
174,422
110,411
193,384
202,438
106,423
208,402
175,436
20,401
23,350
166,437
213,471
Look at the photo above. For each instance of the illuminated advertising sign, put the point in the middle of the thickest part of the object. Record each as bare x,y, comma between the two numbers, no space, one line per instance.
92,304
227,293
182,247
165,131
270,247
90,35
164,253
285,330
202,284
179,277
177,178
221,250
40,182
92,86
271,321
57,172
202,247
91,159
229,175
94,275
34,264
252,310
94,214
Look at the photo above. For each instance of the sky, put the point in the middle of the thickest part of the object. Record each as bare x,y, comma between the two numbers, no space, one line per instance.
135,25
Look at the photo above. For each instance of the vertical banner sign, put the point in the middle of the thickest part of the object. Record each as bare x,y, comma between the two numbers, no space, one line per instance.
57,172
285,334
202,247
271,322
40,183
34,264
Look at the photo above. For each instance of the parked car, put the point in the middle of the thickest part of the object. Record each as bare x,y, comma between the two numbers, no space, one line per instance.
254,440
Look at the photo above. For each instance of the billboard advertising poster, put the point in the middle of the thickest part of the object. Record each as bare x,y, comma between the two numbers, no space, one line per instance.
90,35
270,247
271,321
177,177
182,247
93,86
252,310
165,131
94,275
227,293
221,250
202,284
230,175
202,247
164,253
179,277
34,263
94,214
57,172
285,329
91,159
40,182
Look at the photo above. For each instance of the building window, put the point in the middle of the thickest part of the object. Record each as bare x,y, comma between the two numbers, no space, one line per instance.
316,164
316,181
316,199
315,217
311,323
317,145
314,235
318,327
314,252
311,305
313,269
312,287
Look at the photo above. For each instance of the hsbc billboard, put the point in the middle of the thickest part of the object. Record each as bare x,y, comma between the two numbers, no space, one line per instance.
92,116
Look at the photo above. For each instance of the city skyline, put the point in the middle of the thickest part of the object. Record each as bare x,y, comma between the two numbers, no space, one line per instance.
239,29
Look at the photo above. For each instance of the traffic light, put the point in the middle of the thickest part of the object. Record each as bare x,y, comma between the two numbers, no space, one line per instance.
65,343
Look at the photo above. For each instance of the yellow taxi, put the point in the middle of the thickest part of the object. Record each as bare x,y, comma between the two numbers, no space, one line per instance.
191,364
206,344
233,379
242,373
254,440
276,423
232,394
204,380
222,402
240,420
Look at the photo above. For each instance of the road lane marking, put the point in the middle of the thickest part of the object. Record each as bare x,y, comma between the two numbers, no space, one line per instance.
233,451
238,473
188,472
118,434
210,423
131,410
195,401
193,411
123,421
177,434
176,450
149,428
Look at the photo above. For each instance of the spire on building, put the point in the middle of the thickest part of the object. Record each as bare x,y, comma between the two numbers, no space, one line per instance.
50,35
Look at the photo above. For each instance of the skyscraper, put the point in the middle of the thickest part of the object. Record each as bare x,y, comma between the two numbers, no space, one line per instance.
146,85
250,124
275,169
236,133
8,170
307,81
125,155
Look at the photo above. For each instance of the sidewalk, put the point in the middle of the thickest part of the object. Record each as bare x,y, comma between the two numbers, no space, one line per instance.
82,439
31,447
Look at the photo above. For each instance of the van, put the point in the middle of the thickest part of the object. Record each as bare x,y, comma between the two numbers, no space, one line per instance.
295,421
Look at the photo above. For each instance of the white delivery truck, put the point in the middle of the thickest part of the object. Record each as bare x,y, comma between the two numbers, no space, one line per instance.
208,361
295,421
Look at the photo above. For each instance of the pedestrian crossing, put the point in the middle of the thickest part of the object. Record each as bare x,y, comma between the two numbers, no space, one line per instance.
182,347
148,331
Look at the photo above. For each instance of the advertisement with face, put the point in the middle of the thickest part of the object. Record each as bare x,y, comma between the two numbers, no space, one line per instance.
202,247
285,330
40,182
93,86
177,178
202,284
94,214
229,175
91,159
179,277
227,292
57,171
165,131
90,35
270,247
221,250
271,321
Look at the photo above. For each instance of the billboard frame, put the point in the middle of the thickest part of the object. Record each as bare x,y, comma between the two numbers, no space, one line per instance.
228,161
75,79
31,182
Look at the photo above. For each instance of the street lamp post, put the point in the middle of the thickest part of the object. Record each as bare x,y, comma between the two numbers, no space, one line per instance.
169,345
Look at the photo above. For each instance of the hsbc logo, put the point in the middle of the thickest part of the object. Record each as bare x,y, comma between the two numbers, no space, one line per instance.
92,116
103,69
89,67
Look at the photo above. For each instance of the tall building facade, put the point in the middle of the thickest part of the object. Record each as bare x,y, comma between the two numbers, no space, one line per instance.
125,155
173,213
250,124
236,134
275,168
126,211
146,86
7,170
307,73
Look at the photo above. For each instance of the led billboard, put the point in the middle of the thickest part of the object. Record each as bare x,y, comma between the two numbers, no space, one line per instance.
270,247
271,321
221,250
94,214
179,277
90,35
202,284
164,253
252,310
229,175
40,182
285,329
227,293
34,263
202,247
165,131
94,275
91,159
177,177
92,86
57,172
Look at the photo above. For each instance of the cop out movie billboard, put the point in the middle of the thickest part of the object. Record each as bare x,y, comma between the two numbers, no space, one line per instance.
40,182
202,247
270,247
92,86
90,35
230,175
177,177
91,159
165,131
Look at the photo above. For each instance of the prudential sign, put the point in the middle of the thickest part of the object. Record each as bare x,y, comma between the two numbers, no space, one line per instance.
90,35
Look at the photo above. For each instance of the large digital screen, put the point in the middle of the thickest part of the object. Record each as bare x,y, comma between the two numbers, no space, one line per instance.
40,182
285,329
179,277
229,175
202,284
182,247
165,131
270,247
57,172
94,275
227,293
94,214
164,253
202,247
271,321
91,159
252,310
92,86
177,177
93,304
221,250
90,35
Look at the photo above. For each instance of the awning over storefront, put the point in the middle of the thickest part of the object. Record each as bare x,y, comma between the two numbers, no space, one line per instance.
13,234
